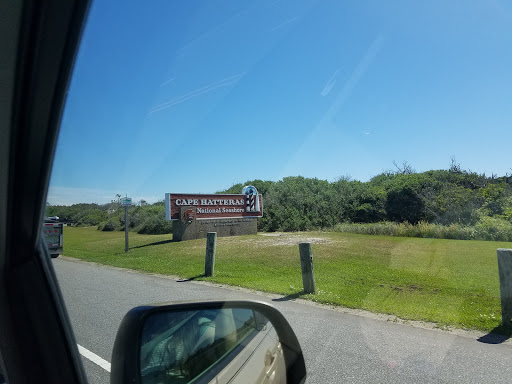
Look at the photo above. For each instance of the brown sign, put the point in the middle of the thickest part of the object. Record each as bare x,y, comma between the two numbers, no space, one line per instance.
214,206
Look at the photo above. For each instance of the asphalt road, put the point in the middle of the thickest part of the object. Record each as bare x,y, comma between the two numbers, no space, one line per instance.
338,347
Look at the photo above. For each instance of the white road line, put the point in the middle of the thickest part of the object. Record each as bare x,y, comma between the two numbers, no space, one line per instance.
94,358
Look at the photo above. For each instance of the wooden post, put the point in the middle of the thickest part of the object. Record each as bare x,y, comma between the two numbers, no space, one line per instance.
505,272
211,245
306,265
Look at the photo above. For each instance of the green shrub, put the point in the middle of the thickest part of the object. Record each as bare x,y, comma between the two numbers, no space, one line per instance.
111,224
493,228
155,225
488,228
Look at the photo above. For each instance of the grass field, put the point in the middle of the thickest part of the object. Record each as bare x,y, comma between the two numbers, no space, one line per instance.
449,282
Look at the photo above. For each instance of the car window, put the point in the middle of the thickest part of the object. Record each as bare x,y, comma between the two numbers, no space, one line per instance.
376,132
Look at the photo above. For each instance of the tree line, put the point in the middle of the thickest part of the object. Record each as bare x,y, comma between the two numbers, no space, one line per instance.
443,197
143,217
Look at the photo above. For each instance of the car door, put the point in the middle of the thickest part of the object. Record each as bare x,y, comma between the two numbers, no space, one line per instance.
38,41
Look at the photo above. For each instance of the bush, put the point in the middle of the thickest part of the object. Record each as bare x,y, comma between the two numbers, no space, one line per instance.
493,228
138,215
155,225
111,224
488,228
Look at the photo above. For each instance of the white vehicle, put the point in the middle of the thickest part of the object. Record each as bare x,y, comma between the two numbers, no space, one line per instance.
52,233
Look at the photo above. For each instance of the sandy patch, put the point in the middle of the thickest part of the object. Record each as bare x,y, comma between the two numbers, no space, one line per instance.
278,239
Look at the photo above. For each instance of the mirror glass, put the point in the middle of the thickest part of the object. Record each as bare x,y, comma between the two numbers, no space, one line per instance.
210,345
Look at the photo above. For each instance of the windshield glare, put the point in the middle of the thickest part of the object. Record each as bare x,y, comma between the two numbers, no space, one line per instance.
376,132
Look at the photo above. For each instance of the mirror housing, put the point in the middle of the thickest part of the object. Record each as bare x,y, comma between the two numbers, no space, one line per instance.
126,355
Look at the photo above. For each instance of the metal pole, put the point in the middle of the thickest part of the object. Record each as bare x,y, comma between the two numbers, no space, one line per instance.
211,246
126,228
306,265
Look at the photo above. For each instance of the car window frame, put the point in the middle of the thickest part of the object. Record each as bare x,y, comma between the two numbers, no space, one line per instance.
38,48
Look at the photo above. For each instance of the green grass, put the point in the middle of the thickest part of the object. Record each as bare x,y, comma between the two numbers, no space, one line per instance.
449,282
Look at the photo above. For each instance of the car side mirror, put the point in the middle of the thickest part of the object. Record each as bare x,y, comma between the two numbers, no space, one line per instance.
206,342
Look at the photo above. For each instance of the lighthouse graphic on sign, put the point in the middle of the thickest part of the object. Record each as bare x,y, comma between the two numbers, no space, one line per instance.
252,202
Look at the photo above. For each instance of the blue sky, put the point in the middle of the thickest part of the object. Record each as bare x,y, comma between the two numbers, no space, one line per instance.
175,96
